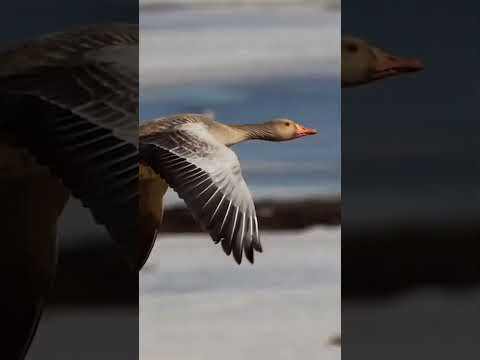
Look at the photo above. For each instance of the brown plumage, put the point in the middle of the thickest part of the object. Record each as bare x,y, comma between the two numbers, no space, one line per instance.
191,152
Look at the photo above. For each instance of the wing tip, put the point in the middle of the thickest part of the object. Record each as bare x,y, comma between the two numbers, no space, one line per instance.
226,246
237,255
258,246
238,258
249,255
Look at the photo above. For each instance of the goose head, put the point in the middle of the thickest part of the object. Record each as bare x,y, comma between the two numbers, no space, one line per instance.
286,129
363,63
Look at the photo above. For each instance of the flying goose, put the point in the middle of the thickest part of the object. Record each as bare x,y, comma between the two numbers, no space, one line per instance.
363,63
191,152
69,124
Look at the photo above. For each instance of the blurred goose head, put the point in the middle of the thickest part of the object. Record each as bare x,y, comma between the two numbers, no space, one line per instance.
363,63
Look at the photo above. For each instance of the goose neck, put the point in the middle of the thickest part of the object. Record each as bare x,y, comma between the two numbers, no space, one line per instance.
241,133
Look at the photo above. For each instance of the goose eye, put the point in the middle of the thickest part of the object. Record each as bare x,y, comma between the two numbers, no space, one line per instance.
287,124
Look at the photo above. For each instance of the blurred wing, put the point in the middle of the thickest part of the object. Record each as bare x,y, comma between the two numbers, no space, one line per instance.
72,100
98,93
207,176
99,168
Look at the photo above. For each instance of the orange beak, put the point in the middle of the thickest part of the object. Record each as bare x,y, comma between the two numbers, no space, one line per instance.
389,65
303,131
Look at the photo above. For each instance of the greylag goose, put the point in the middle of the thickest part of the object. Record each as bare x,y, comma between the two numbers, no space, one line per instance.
69,124
191,153
363,63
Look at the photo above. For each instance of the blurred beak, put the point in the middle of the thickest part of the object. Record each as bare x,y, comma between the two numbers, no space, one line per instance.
303,131
389,65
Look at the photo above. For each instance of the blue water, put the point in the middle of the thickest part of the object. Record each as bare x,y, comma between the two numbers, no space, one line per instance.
305,166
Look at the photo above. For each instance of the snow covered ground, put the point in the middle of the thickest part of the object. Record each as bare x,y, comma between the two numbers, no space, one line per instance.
425,324
196,303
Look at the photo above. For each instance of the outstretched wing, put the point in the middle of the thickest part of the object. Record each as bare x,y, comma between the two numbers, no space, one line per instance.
72,100
92,72
207,176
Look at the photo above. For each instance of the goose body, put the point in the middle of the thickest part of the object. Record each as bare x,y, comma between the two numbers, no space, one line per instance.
69,125
363,63
191,153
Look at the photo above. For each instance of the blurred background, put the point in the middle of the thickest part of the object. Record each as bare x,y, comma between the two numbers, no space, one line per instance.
92,312
247,62
410,221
